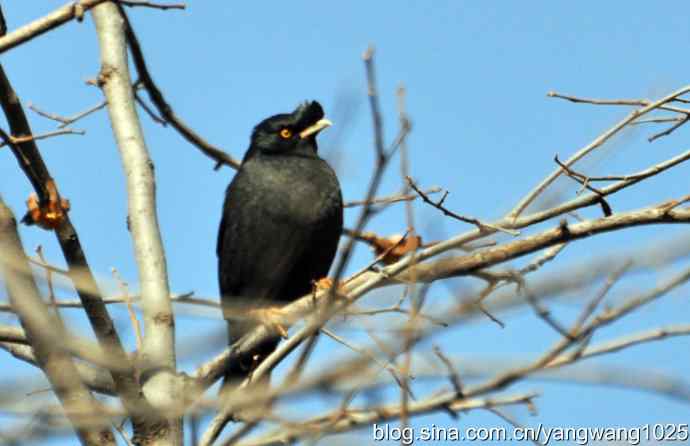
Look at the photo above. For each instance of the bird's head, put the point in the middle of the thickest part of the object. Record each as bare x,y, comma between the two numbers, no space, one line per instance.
289,133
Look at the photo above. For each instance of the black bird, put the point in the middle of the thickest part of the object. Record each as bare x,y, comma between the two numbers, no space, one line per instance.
282,219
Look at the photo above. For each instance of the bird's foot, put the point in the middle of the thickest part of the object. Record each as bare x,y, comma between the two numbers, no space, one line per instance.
325,283
273,317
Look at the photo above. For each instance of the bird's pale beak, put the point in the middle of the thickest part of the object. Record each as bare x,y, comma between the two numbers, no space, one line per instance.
315,128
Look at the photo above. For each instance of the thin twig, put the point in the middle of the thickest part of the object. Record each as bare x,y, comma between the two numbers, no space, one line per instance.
396,309
583,179
299,366
21,139
439,205
453,374
599,297
543,313
621,343
361,417
49,281
394,371
164,6
669,130
177,298
65,121
598,141
514,423
219,156
157,119
391,198
410,331
372,93
657,120
546,257
124,289
632,102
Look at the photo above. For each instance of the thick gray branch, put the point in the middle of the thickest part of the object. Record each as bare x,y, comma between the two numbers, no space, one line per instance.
158,355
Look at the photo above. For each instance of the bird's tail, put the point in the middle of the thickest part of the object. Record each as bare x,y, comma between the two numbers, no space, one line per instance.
239,370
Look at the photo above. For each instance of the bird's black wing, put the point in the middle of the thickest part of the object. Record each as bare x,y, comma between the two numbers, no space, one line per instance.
257,252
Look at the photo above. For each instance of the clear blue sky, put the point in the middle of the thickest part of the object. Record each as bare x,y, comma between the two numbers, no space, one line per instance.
477,74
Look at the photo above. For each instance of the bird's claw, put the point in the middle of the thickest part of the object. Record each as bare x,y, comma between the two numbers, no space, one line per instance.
326,283
323,283
272,317
282,331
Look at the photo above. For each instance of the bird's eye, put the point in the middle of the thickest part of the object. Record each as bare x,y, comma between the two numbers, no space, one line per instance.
286,133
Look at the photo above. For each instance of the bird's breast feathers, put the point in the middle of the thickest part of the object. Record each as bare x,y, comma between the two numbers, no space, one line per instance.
302,191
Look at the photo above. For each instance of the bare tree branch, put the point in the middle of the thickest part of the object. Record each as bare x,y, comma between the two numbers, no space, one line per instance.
163,6
31,162
41,328
501,275
156,96
634,115
390,199
95,378
56,18
158,356
12,334
357,418
65,121
428,272
45,135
